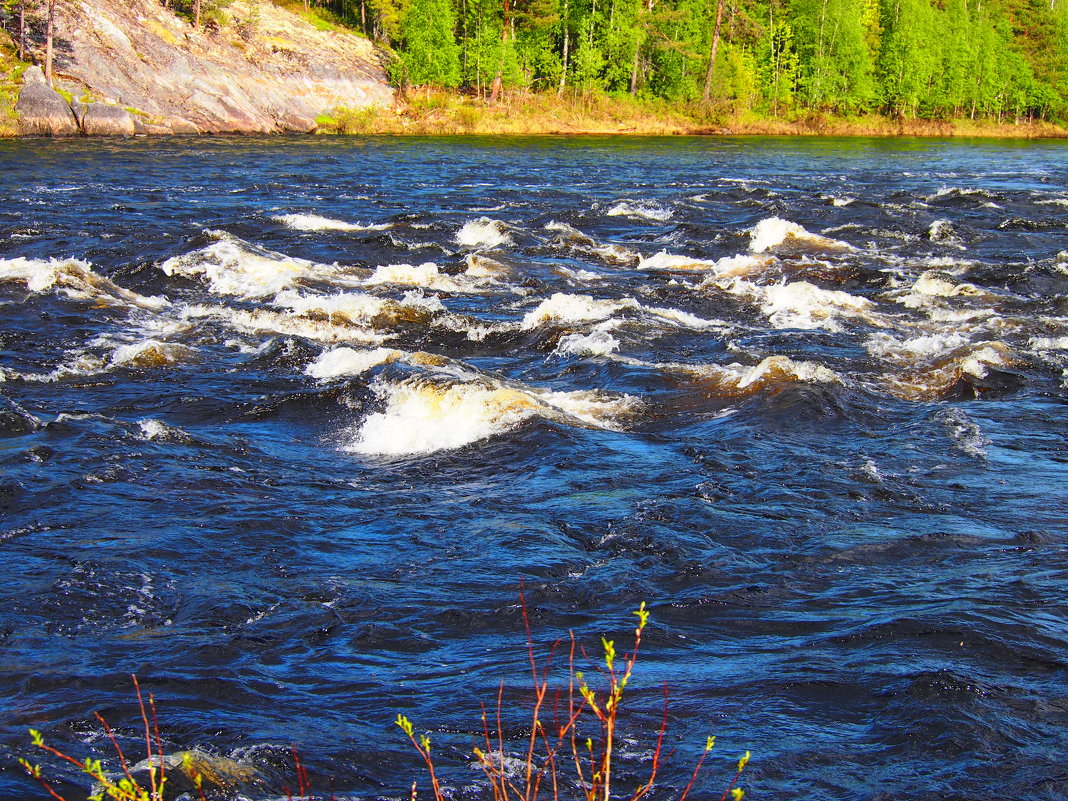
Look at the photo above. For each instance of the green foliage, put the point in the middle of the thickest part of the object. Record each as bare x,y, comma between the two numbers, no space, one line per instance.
431,55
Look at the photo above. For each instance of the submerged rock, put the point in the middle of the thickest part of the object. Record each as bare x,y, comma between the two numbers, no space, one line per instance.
42,111
221,777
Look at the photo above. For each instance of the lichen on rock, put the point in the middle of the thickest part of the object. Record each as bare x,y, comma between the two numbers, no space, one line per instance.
276,75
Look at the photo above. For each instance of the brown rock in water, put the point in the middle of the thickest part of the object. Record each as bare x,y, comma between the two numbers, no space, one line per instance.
41,110
221,777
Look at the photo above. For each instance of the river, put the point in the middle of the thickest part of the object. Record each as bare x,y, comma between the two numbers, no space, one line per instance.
286,422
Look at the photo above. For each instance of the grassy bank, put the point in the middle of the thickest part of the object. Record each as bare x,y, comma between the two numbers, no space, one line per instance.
418,112
10,81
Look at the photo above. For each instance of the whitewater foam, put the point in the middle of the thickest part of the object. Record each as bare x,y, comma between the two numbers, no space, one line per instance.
803,305
775,233
348,362
427,275
237,268
641,209
314,222
75,279
483,234
424,416
597,343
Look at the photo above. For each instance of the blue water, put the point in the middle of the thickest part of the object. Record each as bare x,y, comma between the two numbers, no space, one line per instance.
835,469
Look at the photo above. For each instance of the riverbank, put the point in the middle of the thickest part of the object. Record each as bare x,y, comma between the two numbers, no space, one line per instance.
524,113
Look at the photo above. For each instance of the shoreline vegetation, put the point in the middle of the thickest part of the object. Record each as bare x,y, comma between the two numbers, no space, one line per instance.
445,113
579,67
568,743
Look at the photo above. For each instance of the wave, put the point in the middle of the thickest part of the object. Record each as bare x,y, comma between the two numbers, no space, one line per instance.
427,275
644,210
424,415
964,368
598,343
774,234
564,308
75,279
932,286
234,267
483,234
774,372
313,222
740,265
802,305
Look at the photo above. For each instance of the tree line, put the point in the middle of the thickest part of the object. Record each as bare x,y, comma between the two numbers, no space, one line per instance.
931,59
928,59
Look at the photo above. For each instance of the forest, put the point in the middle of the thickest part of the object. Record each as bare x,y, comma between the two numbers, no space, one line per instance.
1001,60
927,59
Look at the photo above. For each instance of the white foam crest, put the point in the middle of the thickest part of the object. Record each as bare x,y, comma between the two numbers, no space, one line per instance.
942,231
579,277
733,380
1049,343
150,353
74,278
570,232
156,431
641,209
803,305
234,267
935,377
314,222
424,416
265,322
427,275
347,362
728,266
931,286
598,343
679,317
1057,201
958,191
565,308
615,254
774,232
483,233
480,266
929,346
979,361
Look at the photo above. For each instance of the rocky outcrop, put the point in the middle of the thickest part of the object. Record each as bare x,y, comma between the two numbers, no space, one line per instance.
270,73
42,111
101,119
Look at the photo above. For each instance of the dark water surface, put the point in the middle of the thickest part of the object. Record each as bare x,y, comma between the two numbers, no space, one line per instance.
285,422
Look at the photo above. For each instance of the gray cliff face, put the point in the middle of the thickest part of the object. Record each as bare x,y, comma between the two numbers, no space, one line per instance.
134,67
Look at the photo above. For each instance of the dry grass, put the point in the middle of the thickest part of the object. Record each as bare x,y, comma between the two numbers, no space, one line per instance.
436,113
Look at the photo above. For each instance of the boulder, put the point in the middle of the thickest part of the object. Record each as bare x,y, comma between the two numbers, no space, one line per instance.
220,776
104,119
41,110
179,125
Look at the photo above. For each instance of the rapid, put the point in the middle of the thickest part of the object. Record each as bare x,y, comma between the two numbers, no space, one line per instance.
285,424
